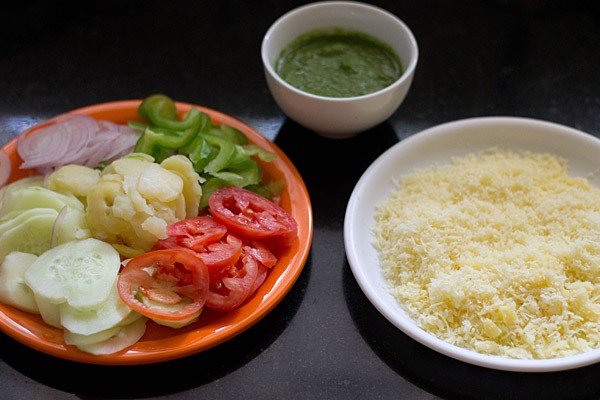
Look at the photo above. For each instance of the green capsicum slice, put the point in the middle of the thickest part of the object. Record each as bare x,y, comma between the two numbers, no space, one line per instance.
161,111
156,140
224,156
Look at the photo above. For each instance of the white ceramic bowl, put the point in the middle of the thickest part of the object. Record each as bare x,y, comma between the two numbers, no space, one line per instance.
438,145
339,117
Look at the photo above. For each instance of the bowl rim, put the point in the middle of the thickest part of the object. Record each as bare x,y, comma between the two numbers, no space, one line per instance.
383,300
407,74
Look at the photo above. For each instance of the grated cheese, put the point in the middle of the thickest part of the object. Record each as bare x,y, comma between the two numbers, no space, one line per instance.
497,252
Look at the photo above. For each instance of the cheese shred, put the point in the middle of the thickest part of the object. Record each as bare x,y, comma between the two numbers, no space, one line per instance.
497,252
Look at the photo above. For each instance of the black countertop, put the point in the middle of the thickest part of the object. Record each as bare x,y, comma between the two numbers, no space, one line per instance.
529,58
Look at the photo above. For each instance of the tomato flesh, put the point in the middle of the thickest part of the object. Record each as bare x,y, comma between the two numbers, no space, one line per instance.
236,244
251,215
261,253
216,256
230,288
222,254
167,278
195,233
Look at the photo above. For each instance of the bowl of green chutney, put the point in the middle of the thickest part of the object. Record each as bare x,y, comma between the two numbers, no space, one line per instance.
339,68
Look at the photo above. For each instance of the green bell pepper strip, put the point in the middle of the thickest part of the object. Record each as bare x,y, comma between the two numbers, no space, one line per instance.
247,170
155,141
158,106
225,155
221,154
209,186
161,111
264,155
200,153
228,132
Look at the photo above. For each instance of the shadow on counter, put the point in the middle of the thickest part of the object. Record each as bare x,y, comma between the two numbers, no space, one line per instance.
451,379
98,381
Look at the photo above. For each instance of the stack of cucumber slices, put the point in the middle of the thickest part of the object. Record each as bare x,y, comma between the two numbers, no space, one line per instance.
51,266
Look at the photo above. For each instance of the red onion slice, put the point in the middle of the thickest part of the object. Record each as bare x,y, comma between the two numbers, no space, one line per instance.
35,150
80,129
74,139
101,146
61,142
124,144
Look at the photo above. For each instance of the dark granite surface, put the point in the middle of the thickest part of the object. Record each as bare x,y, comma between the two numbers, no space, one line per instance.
535,58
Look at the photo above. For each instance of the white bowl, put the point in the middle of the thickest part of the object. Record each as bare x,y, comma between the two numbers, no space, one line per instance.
438,145
339,117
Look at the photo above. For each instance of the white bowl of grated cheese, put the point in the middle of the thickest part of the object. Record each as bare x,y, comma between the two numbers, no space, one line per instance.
534,272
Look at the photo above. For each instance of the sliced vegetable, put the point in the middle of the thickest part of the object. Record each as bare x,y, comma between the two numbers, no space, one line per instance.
230,288
161,111
110,313
29,197
135,199
221,154
196,233
261,253
32,235
126,336
76,180
77,339
49,310
13,289
81,273
36,180
165,285
192,191
251,215
216,255
73,139
70,224
16,218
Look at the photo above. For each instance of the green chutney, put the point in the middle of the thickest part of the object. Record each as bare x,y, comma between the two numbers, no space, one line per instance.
335,62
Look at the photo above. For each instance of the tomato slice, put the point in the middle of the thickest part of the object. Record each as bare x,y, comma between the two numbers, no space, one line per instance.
261,276
251,215
261,253
194,233
171,243
168,285
216,256
230,288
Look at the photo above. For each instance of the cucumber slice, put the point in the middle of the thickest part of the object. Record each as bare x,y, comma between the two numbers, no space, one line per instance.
81,273
16,218
13,289
70,225
37,180
24,198
31,236
49,311
76,339
178,324
112,312
173,308
127,336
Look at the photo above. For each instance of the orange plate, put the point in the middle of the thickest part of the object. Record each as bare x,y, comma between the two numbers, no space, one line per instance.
161,343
